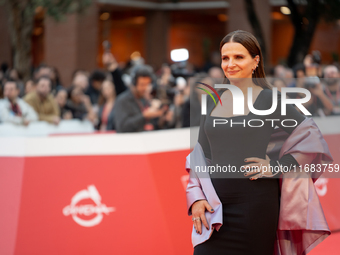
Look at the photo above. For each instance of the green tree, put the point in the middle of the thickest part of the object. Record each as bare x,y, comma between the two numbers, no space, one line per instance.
21,21
305,19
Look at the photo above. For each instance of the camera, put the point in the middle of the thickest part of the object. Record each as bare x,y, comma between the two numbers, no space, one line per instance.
310,82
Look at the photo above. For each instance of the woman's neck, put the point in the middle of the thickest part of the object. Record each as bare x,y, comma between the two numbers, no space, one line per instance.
244,84
110,100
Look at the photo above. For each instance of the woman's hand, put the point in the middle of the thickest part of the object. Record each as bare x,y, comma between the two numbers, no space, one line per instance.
261,167
198,214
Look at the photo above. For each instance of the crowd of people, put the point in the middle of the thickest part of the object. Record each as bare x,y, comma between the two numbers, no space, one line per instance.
135,98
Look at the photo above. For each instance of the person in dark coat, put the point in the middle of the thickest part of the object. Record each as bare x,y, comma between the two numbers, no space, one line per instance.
133,111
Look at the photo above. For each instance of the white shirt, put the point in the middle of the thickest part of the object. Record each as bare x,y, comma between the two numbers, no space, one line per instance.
7,115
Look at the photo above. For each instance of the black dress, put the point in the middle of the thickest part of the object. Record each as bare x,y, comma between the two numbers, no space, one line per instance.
250,207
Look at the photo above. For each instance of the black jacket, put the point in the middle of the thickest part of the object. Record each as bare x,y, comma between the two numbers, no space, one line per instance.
128,115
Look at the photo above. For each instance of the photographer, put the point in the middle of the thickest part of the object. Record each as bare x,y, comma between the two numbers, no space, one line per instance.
134,111
175,101
111,66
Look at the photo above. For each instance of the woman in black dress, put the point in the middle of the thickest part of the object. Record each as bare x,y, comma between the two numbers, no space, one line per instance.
250,203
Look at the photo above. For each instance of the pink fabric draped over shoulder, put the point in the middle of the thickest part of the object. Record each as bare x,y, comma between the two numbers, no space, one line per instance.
302,224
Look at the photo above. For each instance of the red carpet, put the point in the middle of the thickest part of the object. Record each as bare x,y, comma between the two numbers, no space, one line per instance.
330,246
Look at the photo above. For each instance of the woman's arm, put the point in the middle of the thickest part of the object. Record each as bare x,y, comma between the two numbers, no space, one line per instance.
287,162
203,140
194,191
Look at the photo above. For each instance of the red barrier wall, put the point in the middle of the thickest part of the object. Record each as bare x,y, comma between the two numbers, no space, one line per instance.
106,204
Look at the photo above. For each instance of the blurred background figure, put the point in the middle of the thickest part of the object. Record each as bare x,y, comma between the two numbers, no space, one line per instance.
181,96
134,111
279,71
43,101
319,104
216,73
165,84
55,79
50,72
80,105
81,79
13,109
289,77
43,70
112,67
332,87
279,83
312,62
95,85
29,86
166,79
61,99
12,74
299,72
106,103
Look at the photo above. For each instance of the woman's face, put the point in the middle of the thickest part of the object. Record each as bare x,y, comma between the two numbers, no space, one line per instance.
236,61
29,86
76,95
108,89
61,98
81,80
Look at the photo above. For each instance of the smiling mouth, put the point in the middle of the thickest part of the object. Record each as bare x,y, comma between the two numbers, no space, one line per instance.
232,72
